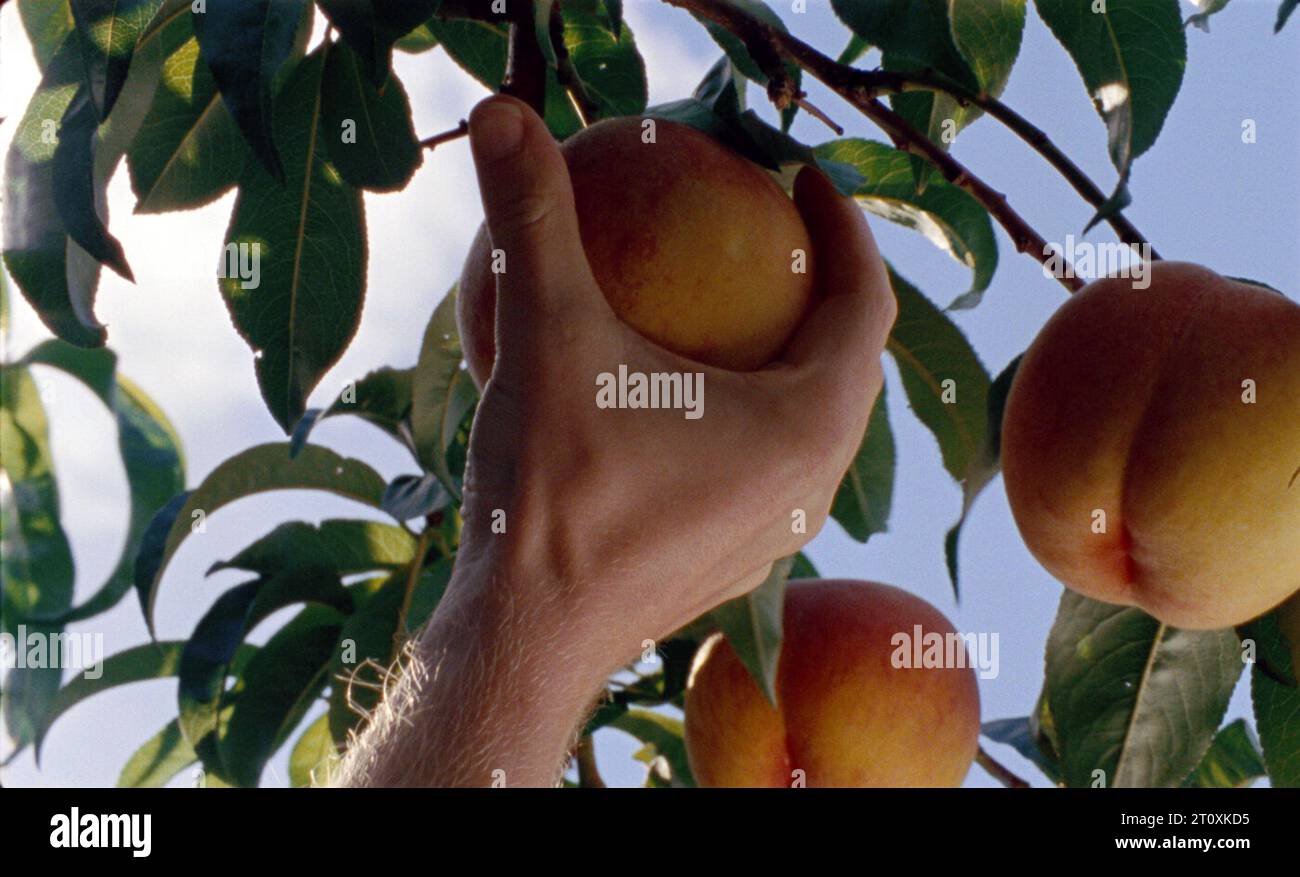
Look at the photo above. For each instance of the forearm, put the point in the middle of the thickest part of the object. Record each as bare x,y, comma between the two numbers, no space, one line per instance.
493,692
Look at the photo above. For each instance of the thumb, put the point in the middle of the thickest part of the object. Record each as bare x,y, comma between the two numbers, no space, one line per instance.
528,202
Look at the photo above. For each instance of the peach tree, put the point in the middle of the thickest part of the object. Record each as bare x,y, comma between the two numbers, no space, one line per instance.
296,107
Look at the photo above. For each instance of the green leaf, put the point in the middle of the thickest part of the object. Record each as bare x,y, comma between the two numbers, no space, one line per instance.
205,660
75,192
109,30
442,393
4,318
913,30
1019,735
382,398
147,444
314,750
1131,698
917,35
987,34
946,215
367,646
58,277
369,133
245,44
36,565
1233,762
856,48
414,496
608,711
1277,705
188,152
1202,18
1283,13
429,588
862,501
256,470
614,12
301,306
1131,56
47,23
347,547
752,625
739,54
542,29
160,758
479,47
607,62
985,467
931,351
665,734
275,691
372,27
803,568
36,560
156,660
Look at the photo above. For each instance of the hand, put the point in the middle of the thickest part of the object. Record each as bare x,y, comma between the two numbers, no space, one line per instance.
621,525
643,519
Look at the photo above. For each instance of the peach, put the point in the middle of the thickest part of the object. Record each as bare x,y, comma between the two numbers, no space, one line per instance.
1151,441
850,711
694,246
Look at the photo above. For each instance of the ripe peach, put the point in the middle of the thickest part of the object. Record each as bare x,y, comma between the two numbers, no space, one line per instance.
1150,444
847,715
692,245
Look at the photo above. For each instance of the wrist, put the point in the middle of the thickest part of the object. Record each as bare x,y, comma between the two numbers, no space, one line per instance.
525,594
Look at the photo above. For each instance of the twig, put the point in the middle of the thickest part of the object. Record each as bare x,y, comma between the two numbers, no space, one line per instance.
1000,773
861,87
811,109
446,136
588,774
526,66
412,579
587,107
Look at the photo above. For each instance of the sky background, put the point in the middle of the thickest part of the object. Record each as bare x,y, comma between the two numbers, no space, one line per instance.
1200,195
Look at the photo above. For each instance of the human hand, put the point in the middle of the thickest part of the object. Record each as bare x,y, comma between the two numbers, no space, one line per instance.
620,525
632,522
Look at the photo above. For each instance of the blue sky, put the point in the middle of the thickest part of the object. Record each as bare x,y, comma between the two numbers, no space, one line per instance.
1200,195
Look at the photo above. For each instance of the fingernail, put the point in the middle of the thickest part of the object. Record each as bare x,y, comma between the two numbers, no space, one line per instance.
495,129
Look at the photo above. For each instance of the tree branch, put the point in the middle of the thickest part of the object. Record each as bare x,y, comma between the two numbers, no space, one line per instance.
408,592
438,139
588,774
861,87
999,773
